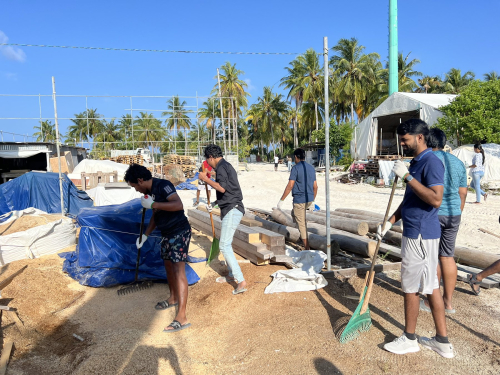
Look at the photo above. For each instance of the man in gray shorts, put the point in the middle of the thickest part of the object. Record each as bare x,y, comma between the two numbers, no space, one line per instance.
420,243
455,192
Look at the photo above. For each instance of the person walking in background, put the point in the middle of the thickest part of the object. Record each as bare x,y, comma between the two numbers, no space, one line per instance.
302,183
289,163
276,161
420,243
477,169
230,201
454,194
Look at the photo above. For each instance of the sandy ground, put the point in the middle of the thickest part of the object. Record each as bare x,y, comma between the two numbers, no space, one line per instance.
252,333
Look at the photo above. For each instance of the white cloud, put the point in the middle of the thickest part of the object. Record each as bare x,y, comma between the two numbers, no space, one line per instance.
250,86
9,52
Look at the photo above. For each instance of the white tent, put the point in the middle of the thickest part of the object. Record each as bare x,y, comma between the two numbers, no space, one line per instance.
93,166
492,164
397,108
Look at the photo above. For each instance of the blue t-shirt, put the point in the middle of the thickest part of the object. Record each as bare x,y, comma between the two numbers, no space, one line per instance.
455,177
418,216
304,176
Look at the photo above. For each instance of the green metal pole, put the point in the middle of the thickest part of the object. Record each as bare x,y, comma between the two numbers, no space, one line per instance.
393,46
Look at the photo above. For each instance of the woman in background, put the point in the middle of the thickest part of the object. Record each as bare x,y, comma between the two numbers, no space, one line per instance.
477,169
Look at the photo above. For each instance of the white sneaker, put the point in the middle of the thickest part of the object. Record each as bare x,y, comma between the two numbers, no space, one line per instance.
402,345
444,350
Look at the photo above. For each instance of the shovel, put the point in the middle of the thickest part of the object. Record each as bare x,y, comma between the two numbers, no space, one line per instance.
214,250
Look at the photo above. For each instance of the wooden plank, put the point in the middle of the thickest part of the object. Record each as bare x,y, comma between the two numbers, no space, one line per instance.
281,259
491,281
15,318
4,359
271,238
361,270
6,308
245,220
487,231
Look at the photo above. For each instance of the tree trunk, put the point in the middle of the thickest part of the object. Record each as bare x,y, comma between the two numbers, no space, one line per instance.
316,114
185,142
272,134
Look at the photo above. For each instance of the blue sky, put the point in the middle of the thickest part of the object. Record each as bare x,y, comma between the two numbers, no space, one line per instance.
442,34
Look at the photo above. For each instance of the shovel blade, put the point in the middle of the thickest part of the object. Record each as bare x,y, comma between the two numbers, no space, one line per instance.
214,251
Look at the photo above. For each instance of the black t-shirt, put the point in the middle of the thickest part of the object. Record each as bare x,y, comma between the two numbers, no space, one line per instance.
233,197
168,222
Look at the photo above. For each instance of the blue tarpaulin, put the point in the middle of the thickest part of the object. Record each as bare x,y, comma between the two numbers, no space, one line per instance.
106,253
41,190
188,184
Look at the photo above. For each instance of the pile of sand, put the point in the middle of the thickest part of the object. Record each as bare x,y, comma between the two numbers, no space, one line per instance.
27,222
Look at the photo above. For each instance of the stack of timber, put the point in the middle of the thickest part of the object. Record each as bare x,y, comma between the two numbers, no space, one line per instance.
128,159
371,168
256,244
187,163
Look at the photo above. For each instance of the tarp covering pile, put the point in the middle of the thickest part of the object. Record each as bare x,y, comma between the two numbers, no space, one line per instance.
106,253
37,241
41,190
367,132
492,163
190,184
93,166
103,196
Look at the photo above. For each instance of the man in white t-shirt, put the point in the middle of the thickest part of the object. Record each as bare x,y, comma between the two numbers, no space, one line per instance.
276,161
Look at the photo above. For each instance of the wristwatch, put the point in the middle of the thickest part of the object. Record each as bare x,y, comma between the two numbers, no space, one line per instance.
408,178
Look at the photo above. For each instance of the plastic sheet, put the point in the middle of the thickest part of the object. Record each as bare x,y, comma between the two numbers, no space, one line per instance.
188,184
106,253
41,190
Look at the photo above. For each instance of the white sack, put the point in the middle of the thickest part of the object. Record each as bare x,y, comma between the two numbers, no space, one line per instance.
107,196
35,242
11,216
304,278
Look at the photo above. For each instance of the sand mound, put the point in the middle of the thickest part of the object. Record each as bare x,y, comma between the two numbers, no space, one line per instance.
27,222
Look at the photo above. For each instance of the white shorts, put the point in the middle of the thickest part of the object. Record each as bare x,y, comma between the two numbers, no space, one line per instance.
202,187
419,265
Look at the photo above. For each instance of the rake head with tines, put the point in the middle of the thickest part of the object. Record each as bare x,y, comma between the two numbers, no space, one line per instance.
135,287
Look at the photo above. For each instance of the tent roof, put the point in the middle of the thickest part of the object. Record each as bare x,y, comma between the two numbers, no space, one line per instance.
433,100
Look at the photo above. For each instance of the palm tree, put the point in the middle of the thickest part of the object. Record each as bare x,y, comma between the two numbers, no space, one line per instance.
233,87
296,92
178,118
406,73
356,72
430,84
124,128
149,130
311,80
109,133
46,132
208,114
79,130
491,76
455,82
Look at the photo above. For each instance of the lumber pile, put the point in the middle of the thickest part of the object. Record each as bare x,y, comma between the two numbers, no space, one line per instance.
257,244
187,163
128,159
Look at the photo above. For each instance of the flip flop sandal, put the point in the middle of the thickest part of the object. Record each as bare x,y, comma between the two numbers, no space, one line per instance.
176,326
471,279
424,307
163,305
223,279
238,291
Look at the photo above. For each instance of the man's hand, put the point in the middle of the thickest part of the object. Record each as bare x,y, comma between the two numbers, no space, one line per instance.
400,169
209,207
203,176
382,232
140,241
280,203
147,201
311,207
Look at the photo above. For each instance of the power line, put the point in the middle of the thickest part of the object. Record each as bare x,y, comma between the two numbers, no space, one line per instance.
149,50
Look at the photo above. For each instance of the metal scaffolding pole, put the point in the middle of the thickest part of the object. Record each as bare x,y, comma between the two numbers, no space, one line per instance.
57,143
221,114
327,158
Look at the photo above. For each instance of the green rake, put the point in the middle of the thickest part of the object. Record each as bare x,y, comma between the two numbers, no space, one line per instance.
361,320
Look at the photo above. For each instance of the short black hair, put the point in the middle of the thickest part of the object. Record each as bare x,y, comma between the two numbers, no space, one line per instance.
212,151
136,171
300,153
437,138
414,126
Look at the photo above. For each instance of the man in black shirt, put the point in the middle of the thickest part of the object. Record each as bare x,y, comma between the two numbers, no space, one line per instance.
230,201
168,216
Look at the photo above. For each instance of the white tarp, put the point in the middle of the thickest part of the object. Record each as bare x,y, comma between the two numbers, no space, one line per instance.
399,102
103,196
305,278
93,166
14,154
492,163
35,242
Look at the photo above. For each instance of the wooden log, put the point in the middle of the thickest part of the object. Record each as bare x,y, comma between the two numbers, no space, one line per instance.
292,234
244,220
361,212
371,221
347,241
346,224
487,231
474,258
4,359
361,270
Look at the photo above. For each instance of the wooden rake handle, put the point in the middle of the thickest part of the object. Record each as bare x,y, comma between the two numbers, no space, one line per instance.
371,275
208,201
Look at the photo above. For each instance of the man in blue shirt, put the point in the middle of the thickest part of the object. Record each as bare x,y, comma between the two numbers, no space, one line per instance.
302,183
450,213
420,242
